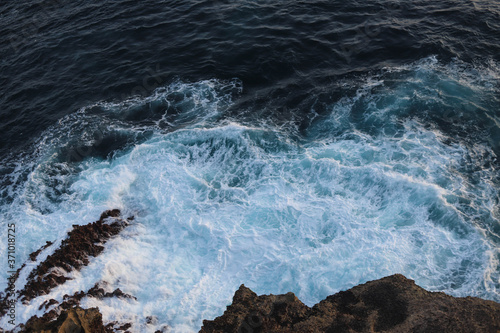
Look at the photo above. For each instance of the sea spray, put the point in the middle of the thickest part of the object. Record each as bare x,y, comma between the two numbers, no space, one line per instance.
379,183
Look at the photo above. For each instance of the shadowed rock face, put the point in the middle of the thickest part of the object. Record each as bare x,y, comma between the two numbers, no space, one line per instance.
391,304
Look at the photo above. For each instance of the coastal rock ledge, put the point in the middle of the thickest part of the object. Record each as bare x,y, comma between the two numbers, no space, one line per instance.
391,304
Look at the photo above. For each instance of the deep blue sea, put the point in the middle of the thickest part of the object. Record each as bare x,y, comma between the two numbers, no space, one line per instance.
303,146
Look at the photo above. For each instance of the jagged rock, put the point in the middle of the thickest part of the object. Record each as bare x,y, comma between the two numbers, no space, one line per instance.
67,309
96,292
47,304
391,304
73,253
37,252
74,320
116,327
82,242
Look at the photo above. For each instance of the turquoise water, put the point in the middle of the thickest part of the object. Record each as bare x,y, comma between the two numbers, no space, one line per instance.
370,186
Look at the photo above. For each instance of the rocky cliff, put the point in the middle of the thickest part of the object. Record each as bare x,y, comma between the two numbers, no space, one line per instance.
391,304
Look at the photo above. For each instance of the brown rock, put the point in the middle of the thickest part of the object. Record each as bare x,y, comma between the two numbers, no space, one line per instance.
36,253
74,320
74,252
45,305
96,292
392,304
70,314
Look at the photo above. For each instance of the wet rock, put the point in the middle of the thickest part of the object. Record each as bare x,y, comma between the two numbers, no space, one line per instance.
116,327
391,304
74,320
96,291
72,302
36,253
124,327
47,304
73,253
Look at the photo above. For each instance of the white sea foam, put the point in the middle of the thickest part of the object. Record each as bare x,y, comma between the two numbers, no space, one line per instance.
218,204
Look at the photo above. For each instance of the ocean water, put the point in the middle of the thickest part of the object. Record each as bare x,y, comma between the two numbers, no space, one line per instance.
287,146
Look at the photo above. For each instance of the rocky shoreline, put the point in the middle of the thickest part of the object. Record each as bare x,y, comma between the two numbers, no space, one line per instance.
390,304
74,252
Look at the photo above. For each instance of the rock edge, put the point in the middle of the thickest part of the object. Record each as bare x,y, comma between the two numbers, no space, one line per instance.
390,304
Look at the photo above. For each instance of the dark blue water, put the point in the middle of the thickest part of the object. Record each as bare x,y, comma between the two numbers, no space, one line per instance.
57,56
258,142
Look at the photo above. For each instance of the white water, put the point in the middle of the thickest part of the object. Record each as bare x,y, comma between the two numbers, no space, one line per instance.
218,203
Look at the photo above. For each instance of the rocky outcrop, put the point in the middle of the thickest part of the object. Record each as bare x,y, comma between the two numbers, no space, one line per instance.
74,252
97,291
391,304
74,320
